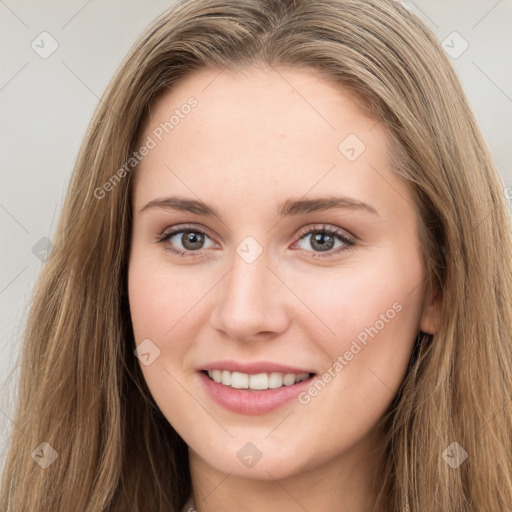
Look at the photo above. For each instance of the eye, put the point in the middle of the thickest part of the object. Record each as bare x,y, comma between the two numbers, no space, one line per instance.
323,239
185,241
190,241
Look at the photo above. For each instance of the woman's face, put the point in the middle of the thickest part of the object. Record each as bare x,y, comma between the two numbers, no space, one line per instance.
294,251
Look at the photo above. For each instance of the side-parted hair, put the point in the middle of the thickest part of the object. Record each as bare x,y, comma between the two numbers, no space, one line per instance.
81,389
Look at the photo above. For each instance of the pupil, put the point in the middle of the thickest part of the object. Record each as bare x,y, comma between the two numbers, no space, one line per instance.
324,241
192,240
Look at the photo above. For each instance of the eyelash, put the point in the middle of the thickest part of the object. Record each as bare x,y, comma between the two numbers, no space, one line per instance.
349,242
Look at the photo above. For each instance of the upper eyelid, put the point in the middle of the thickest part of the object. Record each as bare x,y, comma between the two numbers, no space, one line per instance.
329,229
174,230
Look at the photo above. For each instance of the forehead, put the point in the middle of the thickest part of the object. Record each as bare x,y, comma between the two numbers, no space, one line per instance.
263,130
273,98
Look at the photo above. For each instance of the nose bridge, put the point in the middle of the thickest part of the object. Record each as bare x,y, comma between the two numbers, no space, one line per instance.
251,300
249,281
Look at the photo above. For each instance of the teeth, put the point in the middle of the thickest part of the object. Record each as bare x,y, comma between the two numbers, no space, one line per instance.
226,378
239,380
275,380
259,381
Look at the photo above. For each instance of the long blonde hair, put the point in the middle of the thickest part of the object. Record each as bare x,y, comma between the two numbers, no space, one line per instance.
81,389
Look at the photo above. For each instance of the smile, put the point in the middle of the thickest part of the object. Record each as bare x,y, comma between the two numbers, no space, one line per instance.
257,382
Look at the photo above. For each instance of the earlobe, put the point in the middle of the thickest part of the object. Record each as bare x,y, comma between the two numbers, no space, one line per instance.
431,317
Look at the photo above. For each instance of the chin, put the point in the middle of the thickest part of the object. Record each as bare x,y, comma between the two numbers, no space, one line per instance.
255,461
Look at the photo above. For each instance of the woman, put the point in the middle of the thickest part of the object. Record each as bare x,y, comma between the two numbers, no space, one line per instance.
281,279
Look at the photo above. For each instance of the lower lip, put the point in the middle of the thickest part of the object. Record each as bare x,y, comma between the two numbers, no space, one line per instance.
244,401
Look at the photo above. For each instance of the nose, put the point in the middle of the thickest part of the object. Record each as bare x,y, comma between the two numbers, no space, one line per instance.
251,301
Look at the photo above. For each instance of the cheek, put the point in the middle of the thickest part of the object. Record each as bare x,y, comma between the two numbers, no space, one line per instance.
375,319
160,296
368,317
164,313
347,299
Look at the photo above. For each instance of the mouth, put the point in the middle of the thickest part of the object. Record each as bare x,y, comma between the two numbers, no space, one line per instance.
253,387
257,381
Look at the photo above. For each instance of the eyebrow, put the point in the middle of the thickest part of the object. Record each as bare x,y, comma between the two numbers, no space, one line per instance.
287,208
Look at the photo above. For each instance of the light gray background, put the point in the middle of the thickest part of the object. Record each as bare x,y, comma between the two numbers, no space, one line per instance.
47,105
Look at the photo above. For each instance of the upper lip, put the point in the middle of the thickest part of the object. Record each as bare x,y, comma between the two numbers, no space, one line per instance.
254,367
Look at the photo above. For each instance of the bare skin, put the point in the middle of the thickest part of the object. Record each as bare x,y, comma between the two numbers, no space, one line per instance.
251,143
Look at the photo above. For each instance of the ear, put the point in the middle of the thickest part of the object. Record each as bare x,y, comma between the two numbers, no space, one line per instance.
431,309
